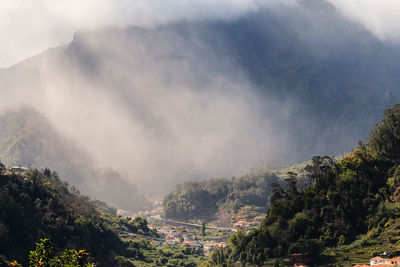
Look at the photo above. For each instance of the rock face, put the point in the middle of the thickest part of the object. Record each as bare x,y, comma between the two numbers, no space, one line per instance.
193,99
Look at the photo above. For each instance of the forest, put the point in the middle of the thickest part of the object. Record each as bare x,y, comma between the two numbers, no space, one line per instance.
38,205
348,204
355,199
199,199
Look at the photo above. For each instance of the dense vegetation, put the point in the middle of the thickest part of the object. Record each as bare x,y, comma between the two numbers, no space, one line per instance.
39,205
356,195
44,255
27,139
198,199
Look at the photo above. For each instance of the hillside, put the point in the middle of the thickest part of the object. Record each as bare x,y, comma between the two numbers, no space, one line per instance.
224,201
37,204
219,200
268,85
28,139
348,214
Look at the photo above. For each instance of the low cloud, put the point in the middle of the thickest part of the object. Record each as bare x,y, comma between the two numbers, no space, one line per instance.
380,17
167,106
164,117
28,27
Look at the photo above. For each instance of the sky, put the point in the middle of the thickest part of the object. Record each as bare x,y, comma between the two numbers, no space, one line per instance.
28,27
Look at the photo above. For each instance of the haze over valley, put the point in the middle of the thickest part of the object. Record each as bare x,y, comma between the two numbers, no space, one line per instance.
188,99
210,133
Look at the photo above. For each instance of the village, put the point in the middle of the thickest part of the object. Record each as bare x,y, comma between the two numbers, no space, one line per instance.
203,241
379,261
173,232
177,233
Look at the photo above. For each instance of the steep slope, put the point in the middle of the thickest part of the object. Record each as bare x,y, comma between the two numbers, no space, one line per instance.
222,201
27,139
39,205
267,86
202,200
351,205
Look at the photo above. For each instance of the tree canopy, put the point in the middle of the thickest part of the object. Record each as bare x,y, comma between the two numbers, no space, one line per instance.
346,199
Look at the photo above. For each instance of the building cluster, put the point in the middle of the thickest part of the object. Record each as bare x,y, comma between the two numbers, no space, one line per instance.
177,236
180,236
382,262
14,169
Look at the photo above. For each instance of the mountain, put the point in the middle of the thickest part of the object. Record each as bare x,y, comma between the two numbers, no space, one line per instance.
349,214
28,139
37,204
191,99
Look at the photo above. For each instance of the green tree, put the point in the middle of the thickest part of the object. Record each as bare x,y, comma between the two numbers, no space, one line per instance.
72,258
291,183
203,228
385,137
44,256
320,166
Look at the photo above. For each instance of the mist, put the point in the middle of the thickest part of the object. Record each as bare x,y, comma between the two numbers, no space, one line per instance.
379,17
169,91
130,101
30,27
139,107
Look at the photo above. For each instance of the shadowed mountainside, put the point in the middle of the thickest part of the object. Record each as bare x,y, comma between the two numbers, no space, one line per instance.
185,100
27,139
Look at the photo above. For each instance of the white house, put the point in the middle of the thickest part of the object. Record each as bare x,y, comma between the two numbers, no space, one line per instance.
377,260
18,169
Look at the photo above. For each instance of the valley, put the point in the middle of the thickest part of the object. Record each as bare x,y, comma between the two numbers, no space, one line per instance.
199,134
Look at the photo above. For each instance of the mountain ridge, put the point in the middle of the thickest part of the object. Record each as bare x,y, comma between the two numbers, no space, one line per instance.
269,85
27,139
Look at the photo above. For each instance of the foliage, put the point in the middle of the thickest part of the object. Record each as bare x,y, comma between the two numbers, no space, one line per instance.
203,228
44,256
385,137
197,199
39,205
346,199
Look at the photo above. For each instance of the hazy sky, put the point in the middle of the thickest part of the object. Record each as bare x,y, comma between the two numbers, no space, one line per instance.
379,16
28,27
